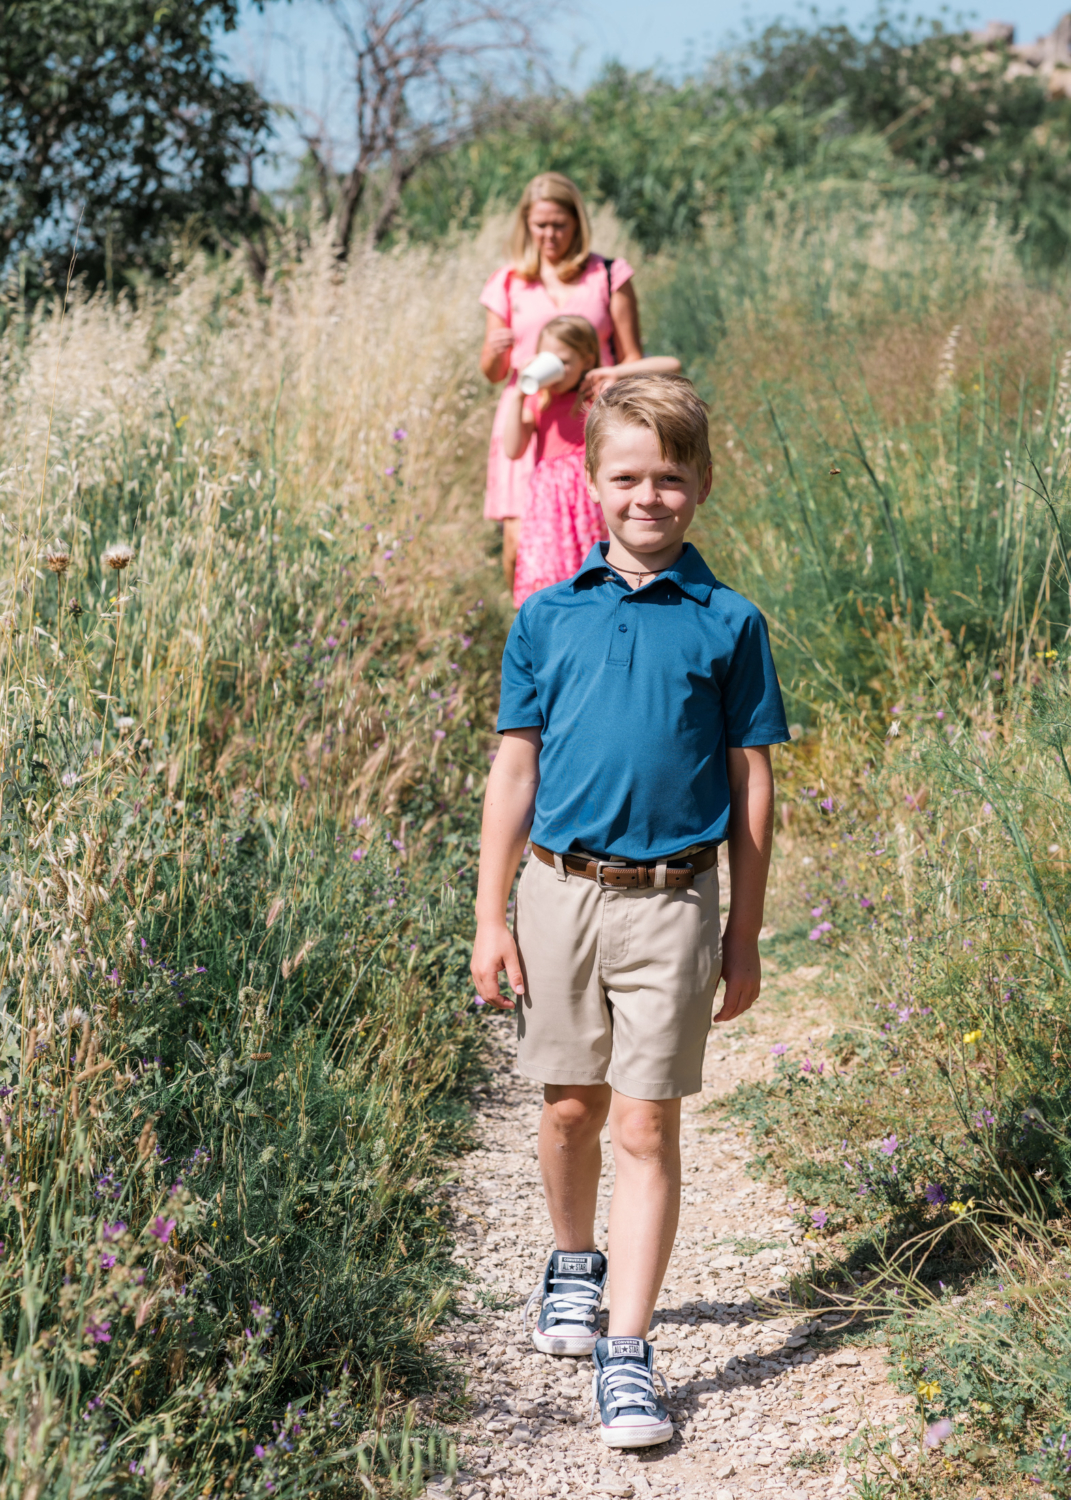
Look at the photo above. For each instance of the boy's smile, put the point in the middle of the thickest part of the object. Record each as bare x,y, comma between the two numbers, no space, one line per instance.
648,500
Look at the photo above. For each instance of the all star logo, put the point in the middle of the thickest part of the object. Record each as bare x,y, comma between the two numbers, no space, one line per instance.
624,1349
575,1265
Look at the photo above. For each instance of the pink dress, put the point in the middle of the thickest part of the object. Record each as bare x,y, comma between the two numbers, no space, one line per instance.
526,306
561,521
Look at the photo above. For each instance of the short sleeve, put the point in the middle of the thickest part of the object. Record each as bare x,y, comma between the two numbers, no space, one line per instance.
751,695
518,706
620,272
495,295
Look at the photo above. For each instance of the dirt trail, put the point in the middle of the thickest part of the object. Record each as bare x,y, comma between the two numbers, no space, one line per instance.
757,1406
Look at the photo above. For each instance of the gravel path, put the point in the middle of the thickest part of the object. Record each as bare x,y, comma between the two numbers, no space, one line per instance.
761,1401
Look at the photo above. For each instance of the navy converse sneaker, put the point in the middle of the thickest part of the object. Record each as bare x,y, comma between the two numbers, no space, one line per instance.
623,1389
571,1292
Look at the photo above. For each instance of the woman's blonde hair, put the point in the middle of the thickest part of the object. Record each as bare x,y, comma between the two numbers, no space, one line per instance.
577,334
550,187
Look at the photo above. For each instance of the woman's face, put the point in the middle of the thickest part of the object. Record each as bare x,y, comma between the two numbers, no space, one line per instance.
576,366
553,228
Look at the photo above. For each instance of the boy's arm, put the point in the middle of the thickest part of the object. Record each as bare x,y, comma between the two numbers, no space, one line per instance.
508,809
517,425
751,801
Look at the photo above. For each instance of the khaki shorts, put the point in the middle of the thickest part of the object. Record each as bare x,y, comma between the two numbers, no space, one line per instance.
619,985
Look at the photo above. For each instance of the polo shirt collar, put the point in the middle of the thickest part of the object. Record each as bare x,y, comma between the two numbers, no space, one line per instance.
690,573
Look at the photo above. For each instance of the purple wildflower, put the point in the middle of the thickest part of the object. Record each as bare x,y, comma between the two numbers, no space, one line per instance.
889,1145
819,1218
935,1194
937,1432
399,434
114,1231
107,1261
778,1049
99,1332
161,1228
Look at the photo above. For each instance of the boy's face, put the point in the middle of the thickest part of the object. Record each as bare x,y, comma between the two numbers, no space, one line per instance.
647,500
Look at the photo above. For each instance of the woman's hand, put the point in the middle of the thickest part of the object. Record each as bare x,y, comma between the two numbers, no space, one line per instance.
498,340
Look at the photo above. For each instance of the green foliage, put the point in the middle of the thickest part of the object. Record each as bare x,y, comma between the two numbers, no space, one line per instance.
239,795
118,125
915,115
663,155
939,102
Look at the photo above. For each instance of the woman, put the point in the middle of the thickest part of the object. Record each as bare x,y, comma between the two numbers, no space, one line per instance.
553,271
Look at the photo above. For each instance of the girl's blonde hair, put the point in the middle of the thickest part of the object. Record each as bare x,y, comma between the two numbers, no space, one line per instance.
577,334
550,187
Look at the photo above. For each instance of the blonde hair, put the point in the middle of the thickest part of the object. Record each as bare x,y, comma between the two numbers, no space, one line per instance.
667,405
577,334
550,187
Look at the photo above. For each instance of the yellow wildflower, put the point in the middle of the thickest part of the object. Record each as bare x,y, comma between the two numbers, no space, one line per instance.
928,1389
972,1036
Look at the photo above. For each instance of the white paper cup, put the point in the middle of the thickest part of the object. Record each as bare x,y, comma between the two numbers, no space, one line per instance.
545,369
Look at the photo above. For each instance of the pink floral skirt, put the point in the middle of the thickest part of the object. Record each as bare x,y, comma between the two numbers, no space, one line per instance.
561,525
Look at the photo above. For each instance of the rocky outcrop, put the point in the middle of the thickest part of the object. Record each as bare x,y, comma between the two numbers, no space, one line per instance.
1048,59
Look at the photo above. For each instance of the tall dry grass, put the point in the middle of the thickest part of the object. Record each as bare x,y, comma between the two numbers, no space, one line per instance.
246,664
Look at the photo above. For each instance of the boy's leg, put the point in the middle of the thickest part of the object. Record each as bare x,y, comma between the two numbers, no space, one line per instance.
570,1159
645,1208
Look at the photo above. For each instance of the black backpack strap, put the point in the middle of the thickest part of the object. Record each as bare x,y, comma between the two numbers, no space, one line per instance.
610,297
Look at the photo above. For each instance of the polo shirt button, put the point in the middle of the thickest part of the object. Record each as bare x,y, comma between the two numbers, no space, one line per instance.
623,628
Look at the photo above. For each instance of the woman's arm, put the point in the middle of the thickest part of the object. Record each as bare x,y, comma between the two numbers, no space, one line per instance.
497,343
517,425
625,316
596,381
508,809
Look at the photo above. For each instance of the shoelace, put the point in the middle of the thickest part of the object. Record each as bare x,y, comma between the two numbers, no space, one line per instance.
573,1306
627,1385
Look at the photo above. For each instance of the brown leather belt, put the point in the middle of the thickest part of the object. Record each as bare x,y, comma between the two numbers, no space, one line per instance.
672,874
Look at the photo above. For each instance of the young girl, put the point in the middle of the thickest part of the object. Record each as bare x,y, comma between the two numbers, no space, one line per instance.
562,522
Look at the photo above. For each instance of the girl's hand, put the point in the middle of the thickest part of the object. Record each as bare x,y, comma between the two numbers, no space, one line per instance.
597,380
499,341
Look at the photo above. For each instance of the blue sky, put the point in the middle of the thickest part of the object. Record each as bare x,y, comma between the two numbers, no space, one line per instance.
291,51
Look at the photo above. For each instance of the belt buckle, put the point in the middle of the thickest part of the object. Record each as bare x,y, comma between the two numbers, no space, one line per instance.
608,864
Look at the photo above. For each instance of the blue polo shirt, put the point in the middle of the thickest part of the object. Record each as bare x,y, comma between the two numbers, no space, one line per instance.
638,694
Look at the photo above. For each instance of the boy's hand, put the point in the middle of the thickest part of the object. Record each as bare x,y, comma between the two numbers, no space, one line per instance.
741,970
494,951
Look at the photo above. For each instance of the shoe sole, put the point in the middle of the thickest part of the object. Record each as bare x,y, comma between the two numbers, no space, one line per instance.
637,1437
546,1343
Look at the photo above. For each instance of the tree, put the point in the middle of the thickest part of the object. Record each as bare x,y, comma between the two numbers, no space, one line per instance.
117,114
425,75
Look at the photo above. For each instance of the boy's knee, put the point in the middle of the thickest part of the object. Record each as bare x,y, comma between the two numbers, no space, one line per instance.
575,1111
644,1129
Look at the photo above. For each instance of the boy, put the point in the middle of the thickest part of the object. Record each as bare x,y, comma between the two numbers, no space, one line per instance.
639,701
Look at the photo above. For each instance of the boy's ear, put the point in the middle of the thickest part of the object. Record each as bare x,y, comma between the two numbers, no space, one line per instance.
705,484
